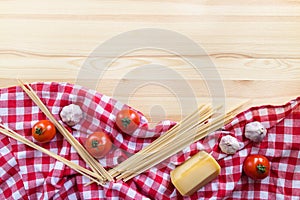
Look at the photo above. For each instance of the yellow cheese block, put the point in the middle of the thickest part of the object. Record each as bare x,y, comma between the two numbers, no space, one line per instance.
195,173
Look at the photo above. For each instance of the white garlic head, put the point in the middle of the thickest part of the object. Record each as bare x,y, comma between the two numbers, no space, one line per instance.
255,131
229,144
71,114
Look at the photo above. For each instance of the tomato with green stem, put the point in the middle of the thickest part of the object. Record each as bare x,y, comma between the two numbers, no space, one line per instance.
43,131
98,144
256,166
127,120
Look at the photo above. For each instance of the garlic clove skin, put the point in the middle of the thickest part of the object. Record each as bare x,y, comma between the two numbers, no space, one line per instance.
255,131
229,144
71,114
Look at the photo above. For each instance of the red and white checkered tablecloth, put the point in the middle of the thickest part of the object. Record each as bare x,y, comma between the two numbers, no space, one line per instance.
29,174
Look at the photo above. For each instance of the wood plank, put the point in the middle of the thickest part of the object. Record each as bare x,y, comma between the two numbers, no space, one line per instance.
67,38
153,7
229,66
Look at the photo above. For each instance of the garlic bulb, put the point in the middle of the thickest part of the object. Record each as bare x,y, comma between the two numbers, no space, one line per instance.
255,131
229,144
71,114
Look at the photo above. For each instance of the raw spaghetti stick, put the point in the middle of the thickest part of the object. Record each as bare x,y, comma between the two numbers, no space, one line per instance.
94,164
182,132
150,162
170,148
87,173
82,151
167,137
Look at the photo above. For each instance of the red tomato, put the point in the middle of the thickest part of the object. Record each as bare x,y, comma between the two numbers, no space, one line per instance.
256,166
98,144
43,131
127,121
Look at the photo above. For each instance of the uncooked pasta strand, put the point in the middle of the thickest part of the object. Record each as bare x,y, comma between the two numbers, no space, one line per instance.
94,164
89,174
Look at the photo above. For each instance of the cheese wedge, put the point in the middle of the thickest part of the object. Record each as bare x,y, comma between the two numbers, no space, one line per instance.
195,173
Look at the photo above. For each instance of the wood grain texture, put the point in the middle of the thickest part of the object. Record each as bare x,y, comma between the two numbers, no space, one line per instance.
253,45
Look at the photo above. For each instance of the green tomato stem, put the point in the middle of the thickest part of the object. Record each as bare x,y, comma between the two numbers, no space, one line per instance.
95,143
126,121
39,131
261,169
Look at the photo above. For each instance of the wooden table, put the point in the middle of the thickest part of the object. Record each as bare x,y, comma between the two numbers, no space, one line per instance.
253,45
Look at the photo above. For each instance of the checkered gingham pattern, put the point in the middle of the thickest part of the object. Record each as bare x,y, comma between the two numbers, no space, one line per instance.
29,174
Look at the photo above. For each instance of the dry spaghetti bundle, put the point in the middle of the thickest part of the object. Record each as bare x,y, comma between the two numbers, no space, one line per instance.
94,164
87,173
193,128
